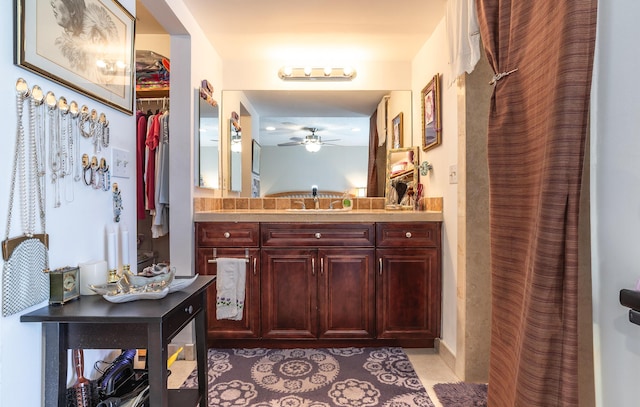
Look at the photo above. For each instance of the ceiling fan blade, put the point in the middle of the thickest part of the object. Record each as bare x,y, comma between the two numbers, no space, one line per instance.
335,139
296,139
329,144
291,143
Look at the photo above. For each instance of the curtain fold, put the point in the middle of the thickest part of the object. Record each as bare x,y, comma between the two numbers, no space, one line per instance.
538,123
373,171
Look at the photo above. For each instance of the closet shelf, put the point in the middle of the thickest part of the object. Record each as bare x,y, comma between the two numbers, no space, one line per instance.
152,93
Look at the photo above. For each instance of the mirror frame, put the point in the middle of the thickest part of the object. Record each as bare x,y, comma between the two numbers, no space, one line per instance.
402,165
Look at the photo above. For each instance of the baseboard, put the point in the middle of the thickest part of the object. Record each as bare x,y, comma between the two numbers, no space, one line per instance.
446,355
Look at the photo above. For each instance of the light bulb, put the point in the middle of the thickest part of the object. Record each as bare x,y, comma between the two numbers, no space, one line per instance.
312,147
307,70
327,71
347,71
287,70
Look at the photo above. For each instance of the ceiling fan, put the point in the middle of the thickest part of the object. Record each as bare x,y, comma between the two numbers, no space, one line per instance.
312,142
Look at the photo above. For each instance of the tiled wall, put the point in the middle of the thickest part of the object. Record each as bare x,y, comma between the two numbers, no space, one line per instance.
205,204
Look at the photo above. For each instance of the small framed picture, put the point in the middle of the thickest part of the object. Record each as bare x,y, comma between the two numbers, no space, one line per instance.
255,158
431,120
86,46
397,131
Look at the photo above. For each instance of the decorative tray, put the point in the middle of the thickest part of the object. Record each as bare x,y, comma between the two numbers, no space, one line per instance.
113,292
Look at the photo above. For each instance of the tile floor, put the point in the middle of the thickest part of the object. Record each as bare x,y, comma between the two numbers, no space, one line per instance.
427,364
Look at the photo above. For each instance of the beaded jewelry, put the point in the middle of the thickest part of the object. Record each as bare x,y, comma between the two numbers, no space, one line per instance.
117,203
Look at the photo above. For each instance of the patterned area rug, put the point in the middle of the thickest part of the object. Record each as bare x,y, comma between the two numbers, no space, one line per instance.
461,394
327,377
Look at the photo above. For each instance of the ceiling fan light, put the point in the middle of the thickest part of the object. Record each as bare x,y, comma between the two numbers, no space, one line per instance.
313,147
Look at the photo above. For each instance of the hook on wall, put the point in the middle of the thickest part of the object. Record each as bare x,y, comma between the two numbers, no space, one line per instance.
425,167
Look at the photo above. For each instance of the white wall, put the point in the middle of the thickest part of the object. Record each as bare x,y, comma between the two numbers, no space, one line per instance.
296,169
615,197
430,60
76,229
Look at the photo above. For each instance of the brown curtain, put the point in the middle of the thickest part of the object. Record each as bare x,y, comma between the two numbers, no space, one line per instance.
536,141
373,170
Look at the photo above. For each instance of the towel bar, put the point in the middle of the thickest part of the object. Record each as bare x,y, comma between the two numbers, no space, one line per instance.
215,255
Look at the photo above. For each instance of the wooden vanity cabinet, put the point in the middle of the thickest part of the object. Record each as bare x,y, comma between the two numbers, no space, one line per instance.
408,282
230,239
328,284
318,281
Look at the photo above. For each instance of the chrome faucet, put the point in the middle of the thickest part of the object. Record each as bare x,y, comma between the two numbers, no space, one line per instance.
316,201
333,203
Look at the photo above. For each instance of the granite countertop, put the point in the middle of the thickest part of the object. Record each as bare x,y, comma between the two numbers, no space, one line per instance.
375,215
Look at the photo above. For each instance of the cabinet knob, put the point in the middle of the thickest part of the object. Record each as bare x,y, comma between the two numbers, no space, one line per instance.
318,235
227,235
189,309
408,235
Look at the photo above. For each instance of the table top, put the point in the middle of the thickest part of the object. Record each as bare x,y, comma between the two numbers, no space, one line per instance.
94,308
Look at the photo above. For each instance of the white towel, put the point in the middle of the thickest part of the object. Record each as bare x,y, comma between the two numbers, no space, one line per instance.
230,284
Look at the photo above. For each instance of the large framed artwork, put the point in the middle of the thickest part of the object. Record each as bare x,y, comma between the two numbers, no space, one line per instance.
431,115
85,45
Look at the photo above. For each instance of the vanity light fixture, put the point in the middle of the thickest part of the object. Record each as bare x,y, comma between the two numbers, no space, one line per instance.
320,74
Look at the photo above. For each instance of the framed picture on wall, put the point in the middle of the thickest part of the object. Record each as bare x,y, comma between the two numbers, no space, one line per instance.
396,125
85,45
431,119
255,158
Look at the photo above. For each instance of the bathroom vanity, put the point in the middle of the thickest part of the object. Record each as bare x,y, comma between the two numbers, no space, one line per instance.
366,278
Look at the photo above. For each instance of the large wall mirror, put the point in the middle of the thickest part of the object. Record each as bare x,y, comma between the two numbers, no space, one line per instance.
285,123
208,139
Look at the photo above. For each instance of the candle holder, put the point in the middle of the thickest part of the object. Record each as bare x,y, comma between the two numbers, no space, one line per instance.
113,276
126,268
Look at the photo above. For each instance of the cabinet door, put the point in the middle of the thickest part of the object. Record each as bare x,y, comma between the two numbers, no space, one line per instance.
346,293
289,293
408,302
249,326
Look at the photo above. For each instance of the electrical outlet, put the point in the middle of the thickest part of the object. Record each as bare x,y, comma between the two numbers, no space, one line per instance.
453,174
120,164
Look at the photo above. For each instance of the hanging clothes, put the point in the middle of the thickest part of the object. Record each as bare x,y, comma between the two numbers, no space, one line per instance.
160,224
141,135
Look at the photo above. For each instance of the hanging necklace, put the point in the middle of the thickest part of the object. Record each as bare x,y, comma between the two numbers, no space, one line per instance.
103,123
75,136
37,120
54,144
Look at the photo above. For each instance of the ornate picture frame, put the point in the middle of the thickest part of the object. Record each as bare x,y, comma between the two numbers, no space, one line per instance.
88,49
397,134
431,114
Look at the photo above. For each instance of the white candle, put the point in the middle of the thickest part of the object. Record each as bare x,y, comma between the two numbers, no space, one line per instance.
125,246
111,249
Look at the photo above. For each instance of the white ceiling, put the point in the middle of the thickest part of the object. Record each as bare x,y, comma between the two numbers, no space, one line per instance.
370,30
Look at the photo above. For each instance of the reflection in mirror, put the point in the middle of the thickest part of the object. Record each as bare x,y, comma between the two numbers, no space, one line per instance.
209,138
402,187
284,121
235,140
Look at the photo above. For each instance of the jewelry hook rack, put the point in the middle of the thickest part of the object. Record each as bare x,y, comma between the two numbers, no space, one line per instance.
215,256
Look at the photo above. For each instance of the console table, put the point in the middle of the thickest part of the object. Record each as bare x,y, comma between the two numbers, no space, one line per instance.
94,323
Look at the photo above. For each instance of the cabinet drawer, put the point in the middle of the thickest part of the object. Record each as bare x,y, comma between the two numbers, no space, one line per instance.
409,234
227,234
318,234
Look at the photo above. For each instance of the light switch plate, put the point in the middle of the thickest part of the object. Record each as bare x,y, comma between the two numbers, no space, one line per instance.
120,164
453,174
